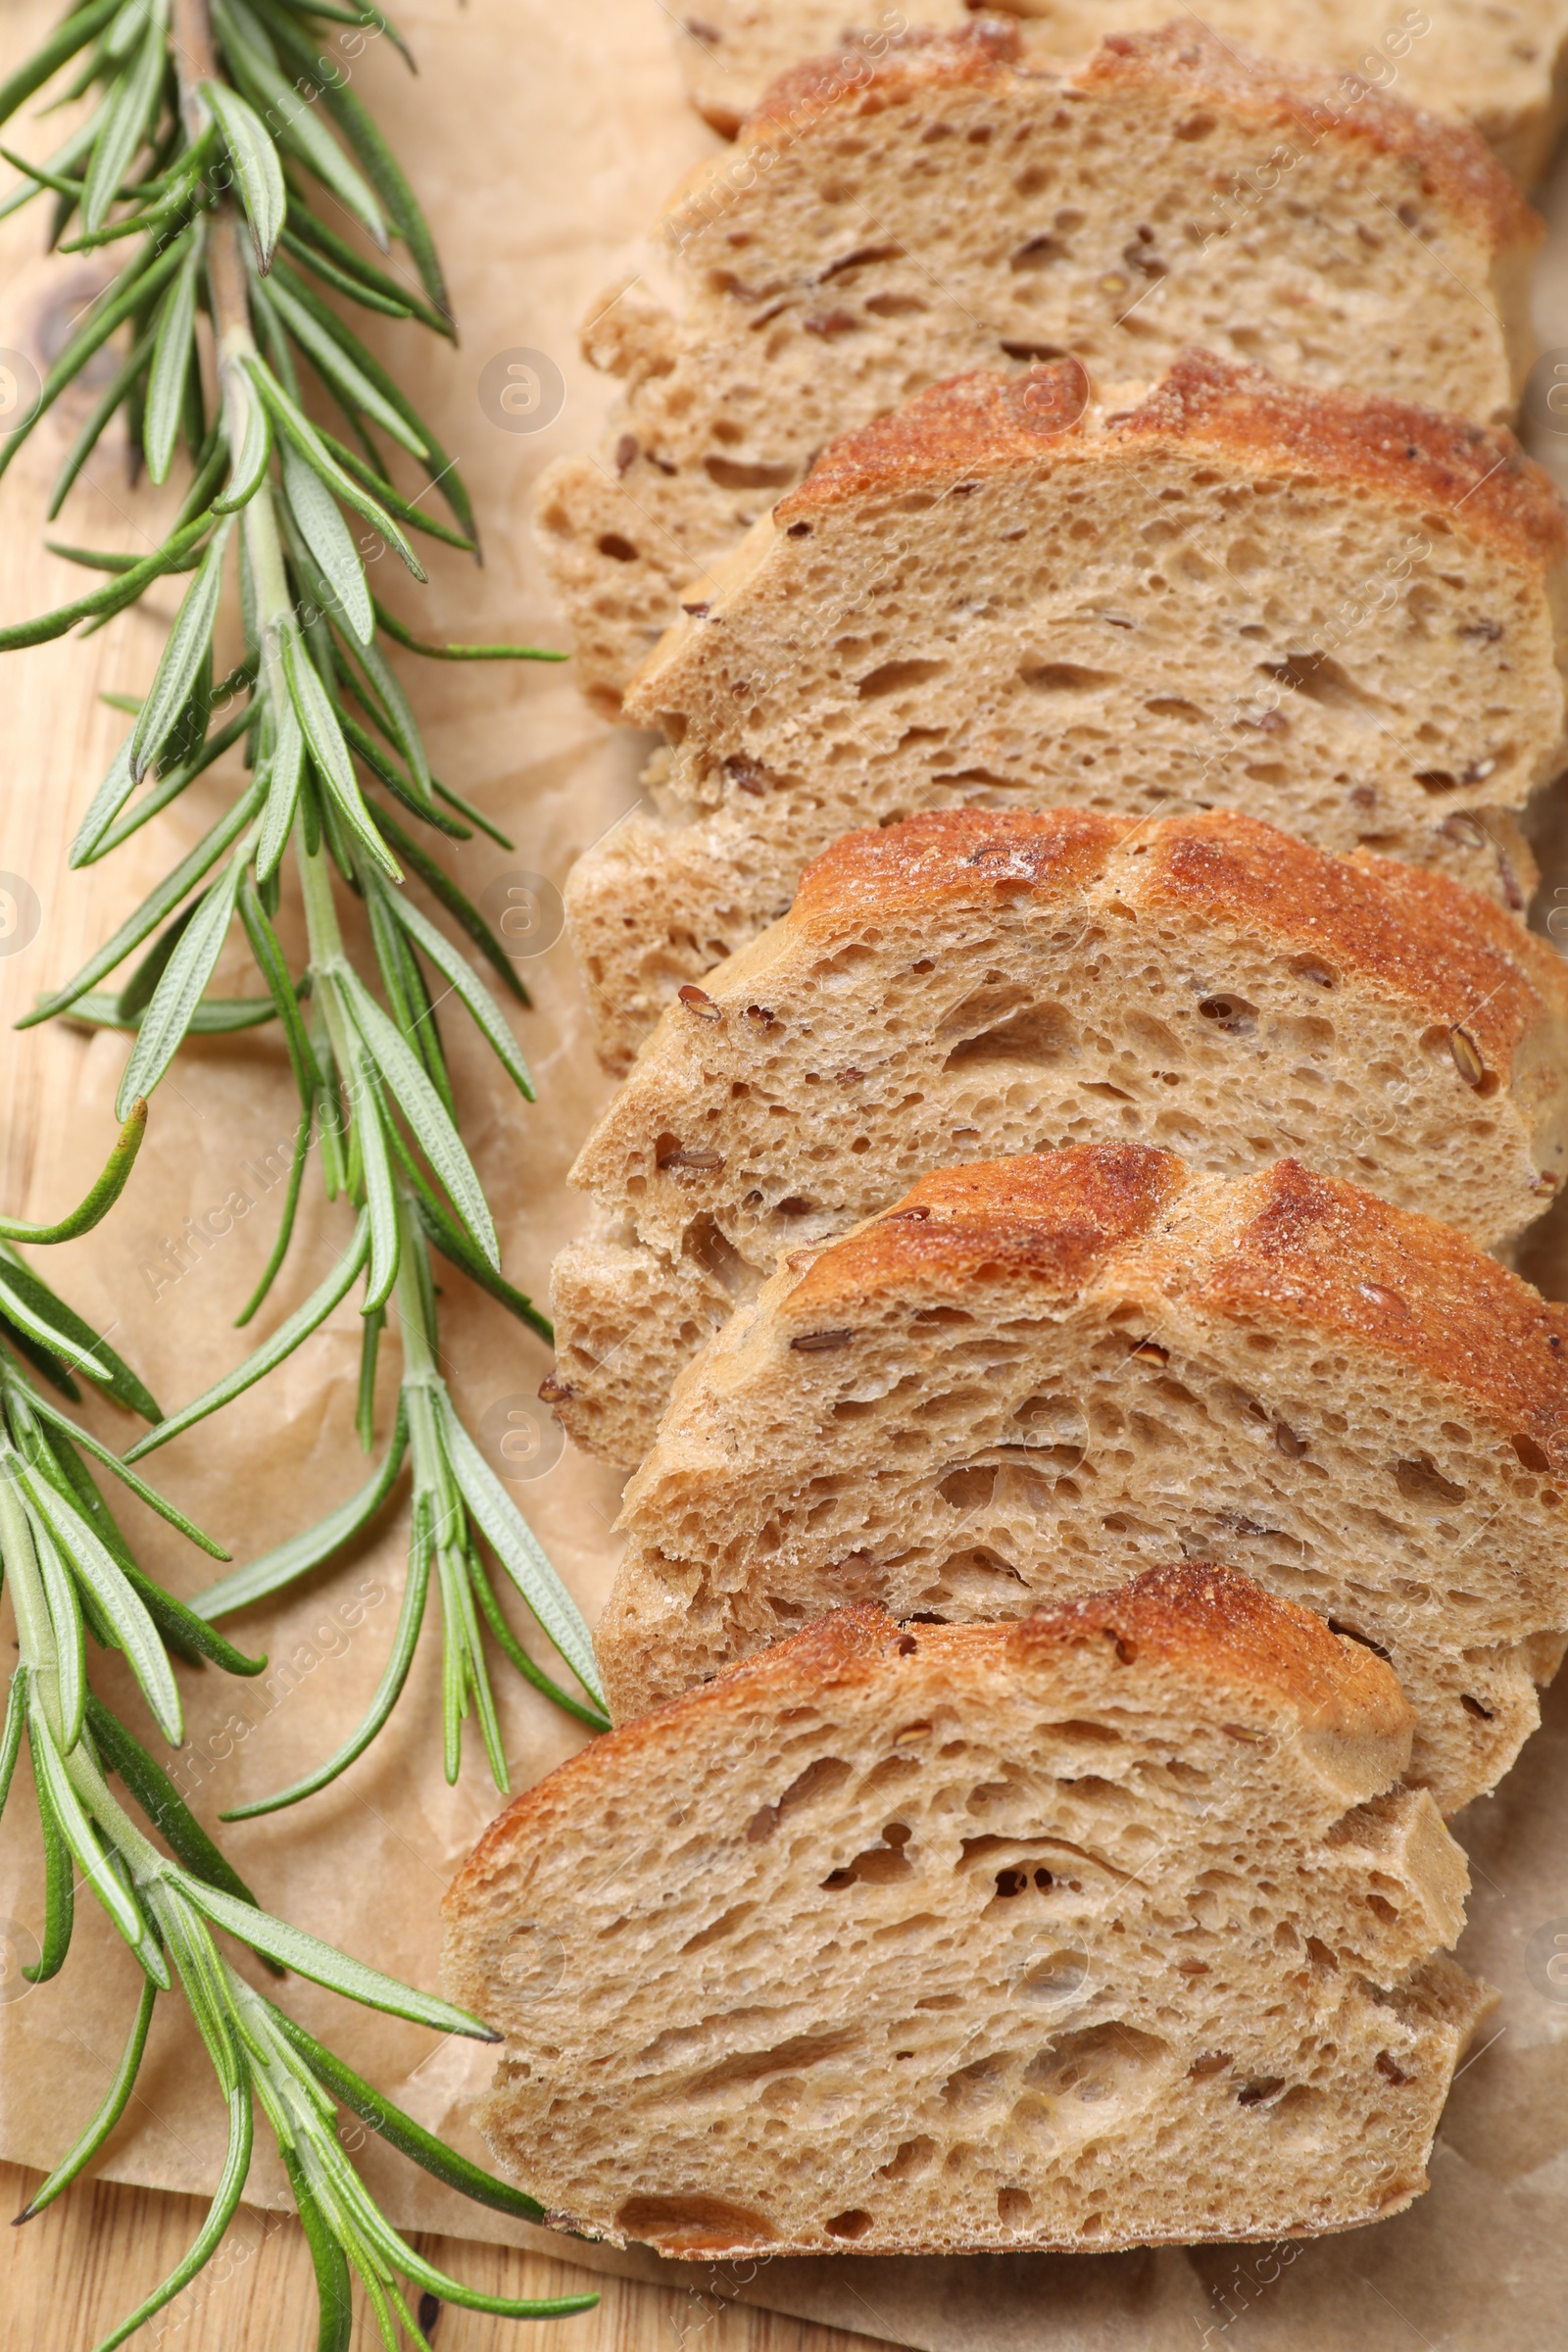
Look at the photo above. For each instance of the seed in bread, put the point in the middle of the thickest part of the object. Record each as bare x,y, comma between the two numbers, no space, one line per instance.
972,983
1334,611
883,226
1493,67
1035,1371
1106,1929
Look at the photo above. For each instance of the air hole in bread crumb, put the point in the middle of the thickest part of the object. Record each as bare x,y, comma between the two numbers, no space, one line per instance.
1473,1706
1530,1453
854,2223
618,550
1260,2093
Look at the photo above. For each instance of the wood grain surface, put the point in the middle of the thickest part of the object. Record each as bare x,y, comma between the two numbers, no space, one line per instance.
78,2268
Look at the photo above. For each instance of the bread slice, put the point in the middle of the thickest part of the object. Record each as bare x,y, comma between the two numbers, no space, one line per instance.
968,983
879,226
1035,1371
1103,1930
1339,613
1496,67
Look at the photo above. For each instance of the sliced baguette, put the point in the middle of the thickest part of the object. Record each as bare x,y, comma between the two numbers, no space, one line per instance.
1341,613
1038,1370
967,984
1496,67
1103,1930
879,228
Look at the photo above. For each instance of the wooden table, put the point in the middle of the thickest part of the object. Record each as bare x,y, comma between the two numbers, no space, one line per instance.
79,2266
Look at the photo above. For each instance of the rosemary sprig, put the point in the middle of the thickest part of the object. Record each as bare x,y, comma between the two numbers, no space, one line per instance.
73,1581
228,156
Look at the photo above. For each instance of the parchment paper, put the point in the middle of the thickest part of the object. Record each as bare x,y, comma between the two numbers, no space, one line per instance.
543,140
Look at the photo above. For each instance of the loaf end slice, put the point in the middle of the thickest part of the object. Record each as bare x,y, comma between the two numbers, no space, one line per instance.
1107,1929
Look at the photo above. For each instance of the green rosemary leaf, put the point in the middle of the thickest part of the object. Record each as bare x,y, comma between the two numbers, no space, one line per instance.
127,120
271,1570
71,1645
49,1773
133,290
292,421
42,1359
224,2205
102,1197
106,601
595,1719
404,726
168,788
282,794
475,816
454,1243
405,509
138,993
103,408
364,1402
189,643
298,308
312,244
323,1964
174,356
15,1725
285,1226
355,16
105,806
59,1890
124,1754
280,103
271,1353
382,767
440,467
401,2131
461,653
518,1549
468,987
96,1568
324,739
94,558
214,1017
380,1201
407,994
154,908
333,2290
168,1016
57,50
272,965
115,2101
256,167
440,884
252,445
78,1435
394,1674
424,1112
32,1307
328,536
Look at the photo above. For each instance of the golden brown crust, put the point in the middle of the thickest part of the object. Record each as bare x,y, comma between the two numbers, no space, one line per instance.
1211,1621
1318,1252
988,422
1298,1249
820,84
1445,159
1458,960
1053,1218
